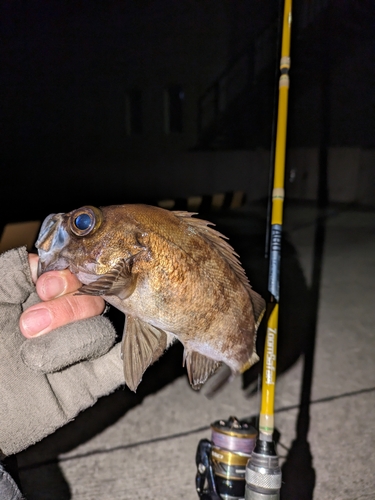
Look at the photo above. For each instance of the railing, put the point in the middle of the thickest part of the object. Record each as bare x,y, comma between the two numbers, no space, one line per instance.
244,73
240,75
221,93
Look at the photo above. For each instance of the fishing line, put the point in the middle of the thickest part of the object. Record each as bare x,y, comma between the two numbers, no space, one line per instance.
242,440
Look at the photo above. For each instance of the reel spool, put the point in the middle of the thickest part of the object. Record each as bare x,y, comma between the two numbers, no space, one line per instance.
223,467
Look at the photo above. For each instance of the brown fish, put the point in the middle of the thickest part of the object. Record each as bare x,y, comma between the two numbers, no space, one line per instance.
173,277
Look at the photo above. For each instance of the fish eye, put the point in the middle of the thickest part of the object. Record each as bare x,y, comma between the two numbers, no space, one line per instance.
85,220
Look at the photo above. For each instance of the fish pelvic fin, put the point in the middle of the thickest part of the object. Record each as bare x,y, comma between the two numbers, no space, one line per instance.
199,368
120,281
142,345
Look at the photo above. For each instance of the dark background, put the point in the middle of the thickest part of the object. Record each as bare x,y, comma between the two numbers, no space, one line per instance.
74,73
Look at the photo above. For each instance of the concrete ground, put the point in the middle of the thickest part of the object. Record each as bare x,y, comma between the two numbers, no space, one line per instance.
142,446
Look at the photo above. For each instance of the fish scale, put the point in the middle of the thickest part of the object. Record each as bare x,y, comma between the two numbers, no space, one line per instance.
173,276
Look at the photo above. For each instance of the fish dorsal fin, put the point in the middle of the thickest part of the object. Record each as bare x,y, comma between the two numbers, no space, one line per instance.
120,281
226,251
259,307
142,345
218,241
199,368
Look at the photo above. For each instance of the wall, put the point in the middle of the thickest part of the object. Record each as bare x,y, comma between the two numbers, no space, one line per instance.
351,174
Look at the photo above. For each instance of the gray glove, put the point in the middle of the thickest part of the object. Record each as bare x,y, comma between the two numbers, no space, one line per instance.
8,488
45,382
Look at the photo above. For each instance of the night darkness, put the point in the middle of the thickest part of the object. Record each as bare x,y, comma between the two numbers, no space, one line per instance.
66,68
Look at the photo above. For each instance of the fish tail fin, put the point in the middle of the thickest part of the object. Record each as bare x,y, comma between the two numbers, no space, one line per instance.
259,307
223,376
254,358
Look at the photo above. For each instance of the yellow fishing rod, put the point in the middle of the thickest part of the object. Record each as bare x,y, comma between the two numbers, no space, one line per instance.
266,421
263,474
236,451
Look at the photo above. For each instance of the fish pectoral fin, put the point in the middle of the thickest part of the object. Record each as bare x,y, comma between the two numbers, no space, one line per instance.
142,345
259,307
120,281
199,368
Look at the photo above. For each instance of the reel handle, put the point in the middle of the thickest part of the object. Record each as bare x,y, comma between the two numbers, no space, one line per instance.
205,473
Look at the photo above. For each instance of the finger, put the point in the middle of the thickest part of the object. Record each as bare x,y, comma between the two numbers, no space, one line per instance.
56,283
46,316
87,339
33,262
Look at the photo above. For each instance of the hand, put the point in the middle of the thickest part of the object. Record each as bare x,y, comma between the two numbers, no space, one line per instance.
61,307
46,381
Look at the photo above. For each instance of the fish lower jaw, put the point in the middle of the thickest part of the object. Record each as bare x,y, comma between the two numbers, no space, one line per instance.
48,262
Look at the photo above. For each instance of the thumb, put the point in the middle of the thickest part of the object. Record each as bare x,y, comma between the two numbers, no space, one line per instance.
79,341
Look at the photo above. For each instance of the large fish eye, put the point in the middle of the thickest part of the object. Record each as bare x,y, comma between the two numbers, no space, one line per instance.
85,220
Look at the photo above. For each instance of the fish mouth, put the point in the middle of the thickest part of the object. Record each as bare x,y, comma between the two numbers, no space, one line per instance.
51,263
52,239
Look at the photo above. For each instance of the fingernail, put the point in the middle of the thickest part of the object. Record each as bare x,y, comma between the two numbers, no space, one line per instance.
53,286
34,322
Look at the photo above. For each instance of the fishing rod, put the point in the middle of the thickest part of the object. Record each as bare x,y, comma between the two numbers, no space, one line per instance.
239,463
263,474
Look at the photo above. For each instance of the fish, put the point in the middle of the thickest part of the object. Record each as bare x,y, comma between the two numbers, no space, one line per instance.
171,274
